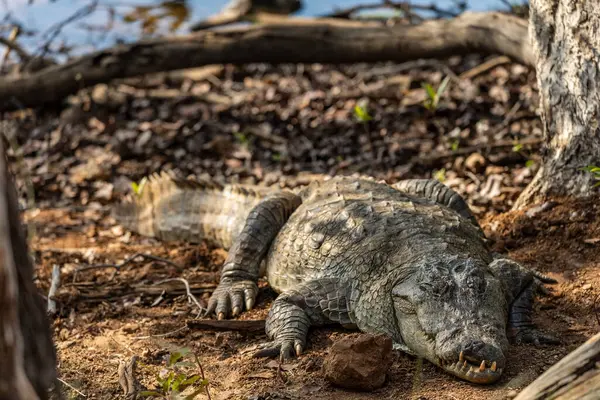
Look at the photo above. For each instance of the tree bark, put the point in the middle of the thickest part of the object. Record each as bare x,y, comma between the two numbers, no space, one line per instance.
295,41
577,376
27,357
566,45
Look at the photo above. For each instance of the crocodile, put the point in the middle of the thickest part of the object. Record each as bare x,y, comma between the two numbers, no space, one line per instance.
407,260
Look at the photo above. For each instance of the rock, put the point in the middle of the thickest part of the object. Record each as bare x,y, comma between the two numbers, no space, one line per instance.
359,364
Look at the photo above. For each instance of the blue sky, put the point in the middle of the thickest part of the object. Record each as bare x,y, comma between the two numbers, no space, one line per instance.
42,14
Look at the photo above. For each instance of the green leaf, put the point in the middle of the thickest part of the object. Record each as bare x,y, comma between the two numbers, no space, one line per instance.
429,89
243,139
517,147
362,114
529,163
194,394
148,393
166,384
442,87
454,145
189,381
174,357
175,386
440,174
139,187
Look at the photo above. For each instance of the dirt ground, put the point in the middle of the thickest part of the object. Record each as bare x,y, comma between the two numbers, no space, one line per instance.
283,125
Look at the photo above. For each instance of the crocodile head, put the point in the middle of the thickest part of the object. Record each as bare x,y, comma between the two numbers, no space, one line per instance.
454,314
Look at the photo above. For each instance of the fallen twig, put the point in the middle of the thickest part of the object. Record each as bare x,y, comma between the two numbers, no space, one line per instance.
483,67
257,325
191,297
53,288
117,267
79,392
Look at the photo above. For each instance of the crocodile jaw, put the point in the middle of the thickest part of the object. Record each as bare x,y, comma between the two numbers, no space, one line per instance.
485,373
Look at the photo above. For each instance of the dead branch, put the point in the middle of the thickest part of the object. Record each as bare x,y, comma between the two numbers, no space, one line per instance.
291,41
227,325
577,376
54,284
91,293
190,296
118,267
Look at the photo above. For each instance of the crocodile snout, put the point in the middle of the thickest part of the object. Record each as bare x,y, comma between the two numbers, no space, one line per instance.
475,360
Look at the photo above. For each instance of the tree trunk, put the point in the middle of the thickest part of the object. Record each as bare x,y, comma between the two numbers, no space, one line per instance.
577,376
565,38
27,357
295,41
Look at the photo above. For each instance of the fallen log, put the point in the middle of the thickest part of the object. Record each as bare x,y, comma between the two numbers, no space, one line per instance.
294,40
577,376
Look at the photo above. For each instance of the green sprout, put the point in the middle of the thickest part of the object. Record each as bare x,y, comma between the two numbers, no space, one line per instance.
529,164
172,381
455,144
138,187
517,147
440,174
433,96
362,114
595,171
242,138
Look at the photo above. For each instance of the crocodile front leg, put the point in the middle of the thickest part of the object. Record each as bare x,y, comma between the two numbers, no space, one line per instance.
521,286
314,303
240,273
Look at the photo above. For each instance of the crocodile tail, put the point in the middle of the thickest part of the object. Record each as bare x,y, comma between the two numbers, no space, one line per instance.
169,208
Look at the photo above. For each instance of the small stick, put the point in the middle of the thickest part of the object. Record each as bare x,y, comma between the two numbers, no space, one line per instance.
481,68
117,267
68,385
202,374
53,288
190,296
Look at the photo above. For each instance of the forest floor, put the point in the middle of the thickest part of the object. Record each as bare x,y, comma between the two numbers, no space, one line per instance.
284,125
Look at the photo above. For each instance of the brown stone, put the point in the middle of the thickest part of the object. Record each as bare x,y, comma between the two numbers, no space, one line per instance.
359,363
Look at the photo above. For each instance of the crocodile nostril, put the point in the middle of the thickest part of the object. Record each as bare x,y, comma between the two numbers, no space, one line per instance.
472,350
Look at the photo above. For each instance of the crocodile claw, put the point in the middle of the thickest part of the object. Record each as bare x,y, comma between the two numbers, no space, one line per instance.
534,336
285,349
230,297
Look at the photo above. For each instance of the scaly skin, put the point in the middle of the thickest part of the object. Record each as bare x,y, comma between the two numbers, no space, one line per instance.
406,260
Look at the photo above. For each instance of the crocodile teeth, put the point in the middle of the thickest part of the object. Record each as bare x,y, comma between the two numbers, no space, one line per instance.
482,366
461,357
465,364
493,368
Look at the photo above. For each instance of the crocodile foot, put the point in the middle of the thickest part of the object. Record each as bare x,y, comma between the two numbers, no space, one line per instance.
533,336
284,348
230,297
